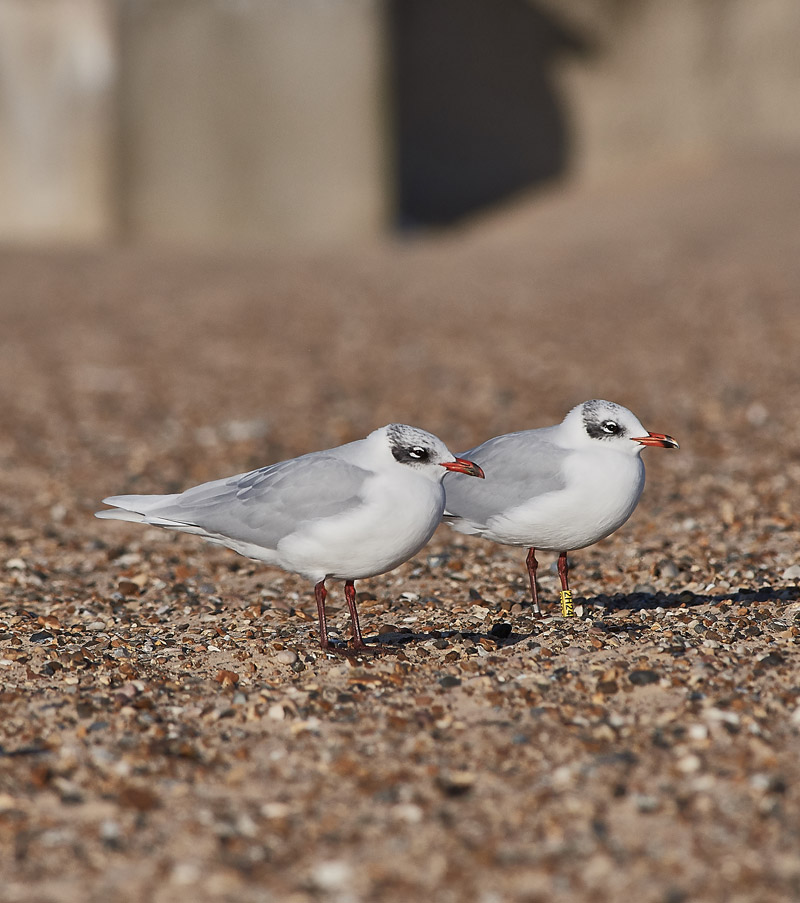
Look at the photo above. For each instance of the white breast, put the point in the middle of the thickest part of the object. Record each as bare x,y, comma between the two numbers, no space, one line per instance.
602,491
397,518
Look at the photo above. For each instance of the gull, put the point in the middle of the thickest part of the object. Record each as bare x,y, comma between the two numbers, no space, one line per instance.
558,488
354,511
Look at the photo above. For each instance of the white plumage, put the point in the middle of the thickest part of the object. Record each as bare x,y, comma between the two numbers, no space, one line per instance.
346,513
558,488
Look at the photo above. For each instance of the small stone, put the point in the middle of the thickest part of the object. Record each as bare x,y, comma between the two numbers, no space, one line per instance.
286,657
688,764
646,803
456,783
722,716
184,873
450,680
41,637
331,876
501,630
770,660
58,512
8,802
408,812
110,833
275,810
757,414
791,573
697,732
68,791
667,569
227,678
642,677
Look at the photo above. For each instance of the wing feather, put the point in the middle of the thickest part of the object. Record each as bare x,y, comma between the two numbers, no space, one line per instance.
518,467
262,506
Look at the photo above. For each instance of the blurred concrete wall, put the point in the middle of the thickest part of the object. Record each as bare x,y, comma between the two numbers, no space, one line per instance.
57,115
262,121
212,121
253,120
673,79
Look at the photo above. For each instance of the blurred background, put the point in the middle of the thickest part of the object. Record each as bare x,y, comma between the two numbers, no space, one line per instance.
320,122
234,231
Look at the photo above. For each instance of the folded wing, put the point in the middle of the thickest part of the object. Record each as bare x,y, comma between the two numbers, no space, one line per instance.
518,467
260,507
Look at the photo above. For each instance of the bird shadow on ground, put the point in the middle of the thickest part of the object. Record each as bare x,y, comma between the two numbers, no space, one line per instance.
608,605
598,608
684,599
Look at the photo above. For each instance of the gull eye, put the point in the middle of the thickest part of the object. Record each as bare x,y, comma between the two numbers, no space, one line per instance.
610,427
418,453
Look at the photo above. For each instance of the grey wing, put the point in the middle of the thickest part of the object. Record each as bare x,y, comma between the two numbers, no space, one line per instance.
517,467
265,505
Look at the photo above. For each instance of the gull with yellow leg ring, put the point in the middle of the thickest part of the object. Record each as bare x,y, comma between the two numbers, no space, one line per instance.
555,489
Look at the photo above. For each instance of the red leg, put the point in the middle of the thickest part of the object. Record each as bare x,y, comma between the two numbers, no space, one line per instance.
320,594
350,595
567,607
563,571
533,564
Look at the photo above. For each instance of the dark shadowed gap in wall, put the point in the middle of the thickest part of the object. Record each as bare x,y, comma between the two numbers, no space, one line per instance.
477,116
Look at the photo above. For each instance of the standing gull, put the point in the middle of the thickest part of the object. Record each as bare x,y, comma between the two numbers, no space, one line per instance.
349,512
559,488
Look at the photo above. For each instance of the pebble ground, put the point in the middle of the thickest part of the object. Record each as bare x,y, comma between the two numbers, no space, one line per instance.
171,732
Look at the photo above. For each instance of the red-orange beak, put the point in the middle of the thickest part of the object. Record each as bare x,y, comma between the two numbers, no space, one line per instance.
461,465
659,439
